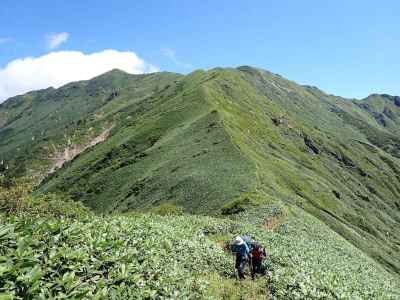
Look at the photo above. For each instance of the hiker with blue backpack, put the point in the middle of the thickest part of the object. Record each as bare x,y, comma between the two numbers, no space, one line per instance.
245,248
242,251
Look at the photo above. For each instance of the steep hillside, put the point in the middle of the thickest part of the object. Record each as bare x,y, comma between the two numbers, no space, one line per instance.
316,156
170,147
38,126
216,141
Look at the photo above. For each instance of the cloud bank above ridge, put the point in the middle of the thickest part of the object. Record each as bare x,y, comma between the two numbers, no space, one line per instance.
58,68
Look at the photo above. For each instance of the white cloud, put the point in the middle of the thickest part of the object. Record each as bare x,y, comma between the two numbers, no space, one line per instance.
171,54
58,68
54,40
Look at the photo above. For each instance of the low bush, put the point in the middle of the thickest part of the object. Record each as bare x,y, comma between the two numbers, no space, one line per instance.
236,206
141,257
168,210
180,257
18,200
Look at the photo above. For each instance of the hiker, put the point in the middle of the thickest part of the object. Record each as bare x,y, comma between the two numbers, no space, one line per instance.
257,256
242,255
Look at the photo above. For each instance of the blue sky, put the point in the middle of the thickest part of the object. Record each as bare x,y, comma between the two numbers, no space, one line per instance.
347,49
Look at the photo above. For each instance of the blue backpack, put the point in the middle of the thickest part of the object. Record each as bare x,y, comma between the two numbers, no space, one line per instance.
248,240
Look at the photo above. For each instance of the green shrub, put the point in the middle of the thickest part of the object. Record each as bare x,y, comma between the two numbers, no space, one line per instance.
168,210
59,205
18,200
236,206
180,257
141,257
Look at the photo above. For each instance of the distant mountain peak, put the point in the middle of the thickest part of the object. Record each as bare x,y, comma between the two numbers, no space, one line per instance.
386,97
251,69
113,73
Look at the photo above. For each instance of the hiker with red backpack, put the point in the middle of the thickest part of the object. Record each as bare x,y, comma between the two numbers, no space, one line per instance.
248,251
258,254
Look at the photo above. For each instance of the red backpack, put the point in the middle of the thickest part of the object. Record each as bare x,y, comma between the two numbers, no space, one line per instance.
258,252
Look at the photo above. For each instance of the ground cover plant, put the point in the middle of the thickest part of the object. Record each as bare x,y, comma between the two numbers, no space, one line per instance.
147,256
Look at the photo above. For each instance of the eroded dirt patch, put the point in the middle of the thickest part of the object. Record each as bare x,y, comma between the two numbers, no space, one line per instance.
71,152
272,223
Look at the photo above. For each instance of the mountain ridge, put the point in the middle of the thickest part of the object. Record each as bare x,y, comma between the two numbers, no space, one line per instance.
217,141
116,71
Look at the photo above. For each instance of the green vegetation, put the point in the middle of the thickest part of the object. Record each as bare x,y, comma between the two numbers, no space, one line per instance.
148,256
18,200
168,209
236,206
231,142
35,127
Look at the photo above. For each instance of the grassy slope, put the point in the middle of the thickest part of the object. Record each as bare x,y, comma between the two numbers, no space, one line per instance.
169,148
208,138
351,186
36,125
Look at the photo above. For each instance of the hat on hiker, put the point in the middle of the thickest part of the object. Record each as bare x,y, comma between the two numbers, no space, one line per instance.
239,241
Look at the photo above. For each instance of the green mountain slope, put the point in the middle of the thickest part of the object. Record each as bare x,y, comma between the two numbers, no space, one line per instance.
35,126
214,141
